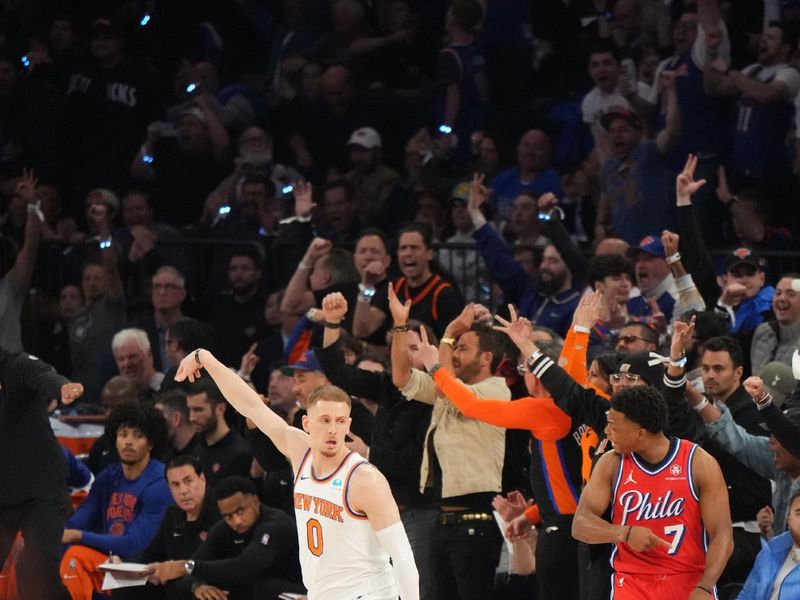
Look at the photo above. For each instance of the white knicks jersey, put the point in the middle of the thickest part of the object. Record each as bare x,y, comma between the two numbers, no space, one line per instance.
340,554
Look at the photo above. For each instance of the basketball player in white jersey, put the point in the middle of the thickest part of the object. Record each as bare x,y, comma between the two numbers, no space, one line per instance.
347,520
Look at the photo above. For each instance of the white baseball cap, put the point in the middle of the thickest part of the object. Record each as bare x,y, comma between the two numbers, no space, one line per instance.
366,137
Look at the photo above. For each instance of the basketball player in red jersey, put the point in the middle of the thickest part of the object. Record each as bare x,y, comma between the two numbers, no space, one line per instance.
670,520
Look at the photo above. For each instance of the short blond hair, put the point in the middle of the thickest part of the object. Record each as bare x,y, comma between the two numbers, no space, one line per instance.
328,393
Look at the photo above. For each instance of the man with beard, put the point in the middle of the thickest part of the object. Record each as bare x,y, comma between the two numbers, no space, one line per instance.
548,302
221,450
125,505
238,312
462,460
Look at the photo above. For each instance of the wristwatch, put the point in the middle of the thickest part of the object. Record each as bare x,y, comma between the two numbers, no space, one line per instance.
188,566
449,341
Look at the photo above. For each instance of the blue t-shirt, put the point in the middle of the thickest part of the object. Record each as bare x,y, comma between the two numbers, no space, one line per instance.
508,185
121,516
637,193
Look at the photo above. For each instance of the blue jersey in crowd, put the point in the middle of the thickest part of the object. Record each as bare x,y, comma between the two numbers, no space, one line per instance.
121,516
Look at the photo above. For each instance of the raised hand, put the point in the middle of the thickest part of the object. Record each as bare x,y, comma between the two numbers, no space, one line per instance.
755,387
681,335
373,273
318,248
670,241
547,201
26,186
100,218
478,192
482,314
657,319
519,330
588,311
766,520
398,309
189,369
249,361
461,323
303,199
518,528
512,506
685,185
334,307
428,353
617,314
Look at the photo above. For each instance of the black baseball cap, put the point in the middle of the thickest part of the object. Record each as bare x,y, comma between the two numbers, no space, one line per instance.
743,256
646,364
620,112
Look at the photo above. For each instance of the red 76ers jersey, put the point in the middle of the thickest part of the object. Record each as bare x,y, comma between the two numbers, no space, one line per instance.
663,499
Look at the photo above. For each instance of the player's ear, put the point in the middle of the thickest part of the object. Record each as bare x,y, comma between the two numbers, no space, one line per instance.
306,423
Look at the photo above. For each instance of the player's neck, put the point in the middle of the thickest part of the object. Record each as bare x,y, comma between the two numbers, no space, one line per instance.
656,450
325,465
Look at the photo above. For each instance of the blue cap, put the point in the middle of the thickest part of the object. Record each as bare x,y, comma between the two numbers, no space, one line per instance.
652,245
307,362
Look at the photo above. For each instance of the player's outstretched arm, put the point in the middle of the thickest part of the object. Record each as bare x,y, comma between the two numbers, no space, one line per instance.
714,507
289,440
369,492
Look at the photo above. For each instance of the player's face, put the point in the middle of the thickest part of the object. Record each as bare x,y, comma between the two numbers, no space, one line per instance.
720,378
202,415
327,423
467,357
240,511
187,487
623,433
133,446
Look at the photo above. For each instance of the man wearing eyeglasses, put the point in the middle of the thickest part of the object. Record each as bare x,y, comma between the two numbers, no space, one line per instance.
636,337
167,293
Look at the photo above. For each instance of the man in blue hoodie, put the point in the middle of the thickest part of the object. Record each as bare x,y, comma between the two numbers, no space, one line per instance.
125,505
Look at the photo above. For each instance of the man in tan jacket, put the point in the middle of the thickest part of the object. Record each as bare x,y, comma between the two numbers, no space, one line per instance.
462,459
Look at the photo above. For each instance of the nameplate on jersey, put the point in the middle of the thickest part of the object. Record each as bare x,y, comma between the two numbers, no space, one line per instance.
319,506
641,507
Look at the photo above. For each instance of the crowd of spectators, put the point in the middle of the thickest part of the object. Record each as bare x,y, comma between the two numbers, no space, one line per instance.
177,175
